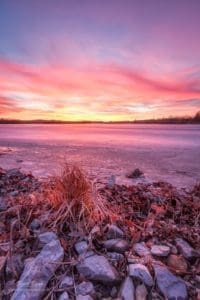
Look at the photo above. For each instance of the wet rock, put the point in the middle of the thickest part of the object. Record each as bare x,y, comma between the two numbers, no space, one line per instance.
186,250
177,262
66,282
86,297
141,292
38,271
141,272
81,247
85,288
35,225
46,237
171,286
64,296
114,232
98,268
117,245
127,290
141,249
159,250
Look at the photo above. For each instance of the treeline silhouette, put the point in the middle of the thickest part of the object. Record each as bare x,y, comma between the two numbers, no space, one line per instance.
169,120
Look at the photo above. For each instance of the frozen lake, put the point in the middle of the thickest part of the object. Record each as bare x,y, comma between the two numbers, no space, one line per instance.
162,152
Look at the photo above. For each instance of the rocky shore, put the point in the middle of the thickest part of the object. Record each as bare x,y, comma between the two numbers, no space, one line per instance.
146,245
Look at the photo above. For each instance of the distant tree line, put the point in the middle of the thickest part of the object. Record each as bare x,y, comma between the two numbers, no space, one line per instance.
169,120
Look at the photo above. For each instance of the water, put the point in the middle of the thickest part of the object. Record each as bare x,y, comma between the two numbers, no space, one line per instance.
163,152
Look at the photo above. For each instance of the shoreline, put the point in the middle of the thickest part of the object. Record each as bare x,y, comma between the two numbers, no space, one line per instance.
150,229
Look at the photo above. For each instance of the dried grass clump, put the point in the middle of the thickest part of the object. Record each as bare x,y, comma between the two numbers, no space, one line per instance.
74,199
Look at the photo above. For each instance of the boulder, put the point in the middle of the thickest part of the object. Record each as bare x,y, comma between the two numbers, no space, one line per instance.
81,247
117,245
98,268
38,271
171,286
141,249
127,290
186,250
141,272
159,250
114,232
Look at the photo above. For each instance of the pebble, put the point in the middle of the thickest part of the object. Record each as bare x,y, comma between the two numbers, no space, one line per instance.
85,288
81,247
159,250
114,232
117,245
141,272
127,290
66,282
186,250
98,268
141,292
141,249
64,296
177,262
171,286
46,237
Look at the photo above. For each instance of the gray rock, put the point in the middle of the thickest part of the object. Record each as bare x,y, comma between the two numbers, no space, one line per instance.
46,237
114,232
64,296
141,292
141,272
81,247
141,249
66,282
159,250
171,286
98,268
38,271
81,297
117,245
186,250
85,288
127,290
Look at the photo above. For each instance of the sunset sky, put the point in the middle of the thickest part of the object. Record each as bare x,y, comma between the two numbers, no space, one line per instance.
99,60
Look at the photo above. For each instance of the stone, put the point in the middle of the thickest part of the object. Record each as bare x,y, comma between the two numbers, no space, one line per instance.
141,249
186,250
38,271
115,257
81,247
85,288
64,296
177,263
114,232
46,237
3,204
98,268
86,297
127,290
2,265
35,225
113,292
141,292
171,286
141,272
66,282
117,245
159,250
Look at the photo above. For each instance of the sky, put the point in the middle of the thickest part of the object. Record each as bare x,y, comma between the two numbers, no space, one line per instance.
99,60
